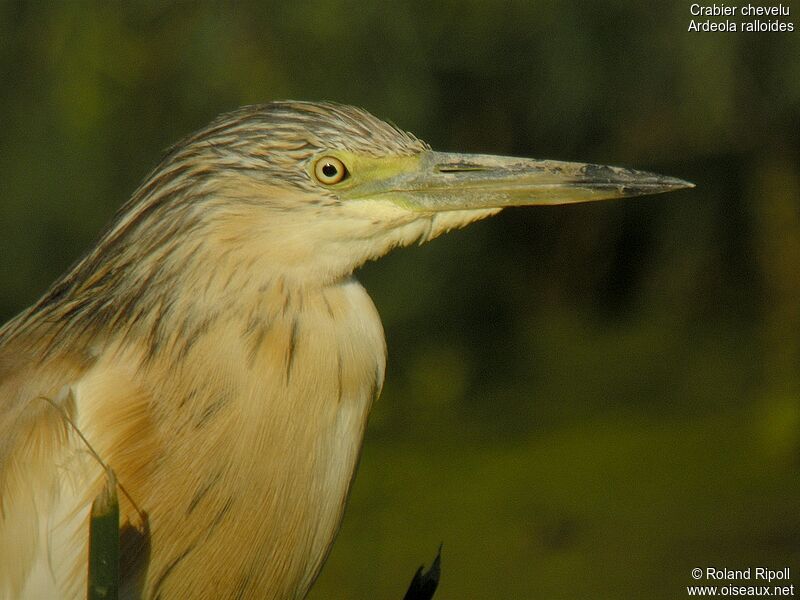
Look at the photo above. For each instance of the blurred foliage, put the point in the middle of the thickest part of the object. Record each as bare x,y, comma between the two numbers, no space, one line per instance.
584,401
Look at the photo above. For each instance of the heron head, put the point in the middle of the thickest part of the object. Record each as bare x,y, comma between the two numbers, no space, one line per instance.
316,189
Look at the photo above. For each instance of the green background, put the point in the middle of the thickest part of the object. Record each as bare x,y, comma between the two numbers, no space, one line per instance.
582,401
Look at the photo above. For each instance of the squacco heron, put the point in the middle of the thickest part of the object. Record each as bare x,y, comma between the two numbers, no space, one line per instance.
215,349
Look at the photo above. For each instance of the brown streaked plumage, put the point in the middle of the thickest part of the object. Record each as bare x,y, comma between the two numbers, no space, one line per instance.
217,353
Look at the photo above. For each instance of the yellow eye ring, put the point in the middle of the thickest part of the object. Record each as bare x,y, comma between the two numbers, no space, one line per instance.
330,170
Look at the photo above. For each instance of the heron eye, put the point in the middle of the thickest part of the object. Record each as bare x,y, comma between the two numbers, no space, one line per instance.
330,170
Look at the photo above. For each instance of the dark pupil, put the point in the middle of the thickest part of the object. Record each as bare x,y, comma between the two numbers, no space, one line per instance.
329,170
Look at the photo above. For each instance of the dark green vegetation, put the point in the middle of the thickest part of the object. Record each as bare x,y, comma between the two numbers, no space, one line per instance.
585,401
104,543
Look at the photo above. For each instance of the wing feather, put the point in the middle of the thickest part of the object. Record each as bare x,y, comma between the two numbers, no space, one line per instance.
48,475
